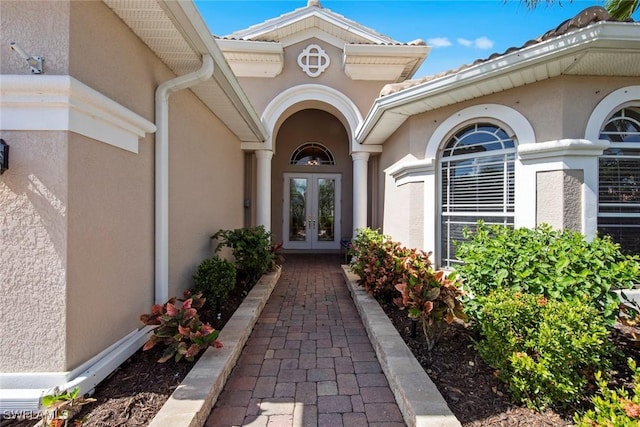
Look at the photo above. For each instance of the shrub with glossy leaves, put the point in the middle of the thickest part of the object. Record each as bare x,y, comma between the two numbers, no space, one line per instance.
215,278
253,250
545,350
430,297
179,328
560,265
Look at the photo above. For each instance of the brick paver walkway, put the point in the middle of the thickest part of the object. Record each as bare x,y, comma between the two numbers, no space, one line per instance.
308,361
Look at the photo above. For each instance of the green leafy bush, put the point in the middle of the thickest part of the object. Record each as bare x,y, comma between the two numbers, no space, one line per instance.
180,328
253,251
545,350
613,408
362,248
556,264
431,297
215,278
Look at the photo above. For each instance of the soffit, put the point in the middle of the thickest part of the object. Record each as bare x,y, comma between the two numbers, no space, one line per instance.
175,32
602,49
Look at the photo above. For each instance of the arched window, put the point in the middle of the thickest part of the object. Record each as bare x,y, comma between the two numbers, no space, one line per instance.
477,183
619,180
312,154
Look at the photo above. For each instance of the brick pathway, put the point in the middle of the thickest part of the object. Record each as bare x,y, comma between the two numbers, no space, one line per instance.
308,361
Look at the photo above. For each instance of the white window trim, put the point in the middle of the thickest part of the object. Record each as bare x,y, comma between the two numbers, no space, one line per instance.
63,103
611,103
503,116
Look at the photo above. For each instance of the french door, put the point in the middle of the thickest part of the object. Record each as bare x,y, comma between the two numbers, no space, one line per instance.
311,211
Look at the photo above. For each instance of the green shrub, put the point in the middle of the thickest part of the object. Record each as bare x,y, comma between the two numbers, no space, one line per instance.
545,350
252,249
431,297
556,264
614,408
361,247
215,278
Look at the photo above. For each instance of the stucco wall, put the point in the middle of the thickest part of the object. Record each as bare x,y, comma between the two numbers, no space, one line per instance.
559,198
79,229
206,184
312,126
556,109
33,238
40,28
262,90
33,203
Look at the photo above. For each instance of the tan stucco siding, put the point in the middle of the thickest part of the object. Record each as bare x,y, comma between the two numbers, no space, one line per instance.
33,236
110,263
262,90
206,185
107,56
40,28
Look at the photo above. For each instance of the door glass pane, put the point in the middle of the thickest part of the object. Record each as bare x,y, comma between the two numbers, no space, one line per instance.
326,209
297,209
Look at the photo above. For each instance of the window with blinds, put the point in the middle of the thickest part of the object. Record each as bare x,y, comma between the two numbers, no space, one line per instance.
477,183
619,180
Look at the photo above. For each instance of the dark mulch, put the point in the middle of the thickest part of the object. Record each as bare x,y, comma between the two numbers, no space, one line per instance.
469,385
136,391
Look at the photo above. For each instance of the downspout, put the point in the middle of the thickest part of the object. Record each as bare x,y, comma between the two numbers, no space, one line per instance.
162,170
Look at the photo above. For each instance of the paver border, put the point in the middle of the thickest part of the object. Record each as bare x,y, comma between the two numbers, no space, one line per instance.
190,404
419,400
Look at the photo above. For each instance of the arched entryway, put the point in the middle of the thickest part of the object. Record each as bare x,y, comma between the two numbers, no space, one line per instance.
312,184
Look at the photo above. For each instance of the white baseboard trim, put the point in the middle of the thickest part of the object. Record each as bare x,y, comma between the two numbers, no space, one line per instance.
21,392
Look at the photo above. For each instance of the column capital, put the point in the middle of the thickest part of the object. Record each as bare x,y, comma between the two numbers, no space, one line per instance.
360,155
264,154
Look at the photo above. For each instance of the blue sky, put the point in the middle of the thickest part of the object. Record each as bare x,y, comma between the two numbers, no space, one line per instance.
459,31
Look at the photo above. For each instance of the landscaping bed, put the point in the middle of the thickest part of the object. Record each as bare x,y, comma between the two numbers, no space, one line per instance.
475,396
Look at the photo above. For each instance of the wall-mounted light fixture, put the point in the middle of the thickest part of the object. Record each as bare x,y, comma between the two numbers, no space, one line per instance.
4,156
35,62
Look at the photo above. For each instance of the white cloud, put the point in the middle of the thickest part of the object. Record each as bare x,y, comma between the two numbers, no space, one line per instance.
439,42
479,43
483,43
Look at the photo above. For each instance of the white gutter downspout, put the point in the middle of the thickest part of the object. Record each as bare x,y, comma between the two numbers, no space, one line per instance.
162,170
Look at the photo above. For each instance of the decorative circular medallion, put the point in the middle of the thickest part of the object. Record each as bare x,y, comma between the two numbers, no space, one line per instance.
313,60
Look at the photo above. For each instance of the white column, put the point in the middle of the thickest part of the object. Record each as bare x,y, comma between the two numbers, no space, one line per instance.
263,196
360,160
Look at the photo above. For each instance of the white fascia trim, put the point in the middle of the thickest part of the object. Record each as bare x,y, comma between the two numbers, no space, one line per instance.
411,171
404,51
556,150
304,13
62,103
23,391
309,33
250,46
571,43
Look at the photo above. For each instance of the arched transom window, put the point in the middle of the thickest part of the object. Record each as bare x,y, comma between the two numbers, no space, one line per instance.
312,154
619,180
477,183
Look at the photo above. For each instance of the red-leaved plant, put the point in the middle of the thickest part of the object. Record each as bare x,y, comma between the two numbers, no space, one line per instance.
180,328
430,296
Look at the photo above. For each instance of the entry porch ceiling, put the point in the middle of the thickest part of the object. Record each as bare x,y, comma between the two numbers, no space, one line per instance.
176,33
603,49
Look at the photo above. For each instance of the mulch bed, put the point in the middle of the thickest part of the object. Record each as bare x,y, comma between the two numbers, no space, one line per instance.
136,391
472,391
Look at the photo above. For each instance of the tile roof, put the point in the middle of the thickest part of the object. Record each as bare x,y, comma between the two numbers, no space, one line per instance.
586,17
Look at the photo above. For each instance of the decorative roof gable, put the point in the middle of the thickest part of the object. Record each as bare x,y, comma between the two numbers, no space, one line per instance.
258,51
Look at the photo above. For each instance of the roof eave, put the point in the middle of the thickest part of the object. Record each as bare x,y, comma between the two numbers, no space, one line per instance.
389,112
